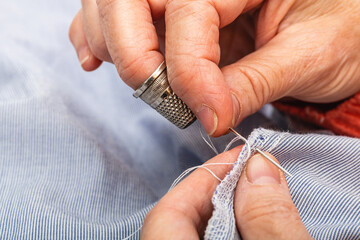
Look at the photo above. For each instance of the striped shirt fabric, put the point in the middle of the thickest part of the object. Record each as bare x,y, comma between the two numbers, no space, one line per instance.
81,159
324,185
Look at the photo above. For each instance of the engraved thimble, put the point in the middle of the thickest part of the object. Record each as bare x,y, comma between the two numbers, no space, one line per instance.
157,92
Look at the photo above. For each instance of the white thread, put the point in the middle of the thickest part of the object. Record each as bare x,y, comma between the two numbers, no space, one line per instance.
209,143
189,170
137,230
212,146
178,179
204,166
247,144
233,141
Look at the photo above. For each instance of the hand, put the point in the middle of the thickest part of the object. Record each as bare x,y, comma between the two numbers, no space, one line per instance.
263,205
304,49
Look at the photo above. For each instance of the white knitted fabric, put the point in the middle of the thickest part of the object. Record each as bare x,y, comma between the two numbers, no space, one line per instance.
222,224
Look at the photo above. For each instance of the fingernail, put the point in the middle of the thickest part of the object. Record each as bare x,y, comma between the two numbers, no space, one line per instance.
208,119
236,109
84,55
260,171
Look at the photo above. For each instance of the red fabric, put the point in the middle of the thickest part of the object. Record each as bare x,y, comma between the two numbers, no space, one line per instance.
342,118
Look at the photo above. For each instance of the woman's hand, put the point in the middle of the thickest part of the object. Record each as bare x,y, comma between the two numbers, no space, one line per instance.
309,50
263,205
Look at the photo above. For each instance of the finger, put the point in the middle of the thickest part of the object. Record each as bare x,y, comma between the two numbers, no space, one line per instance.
290,64
131,38
92,29
259,78
187,208
193,54
263,205
157,8
77,37
270,17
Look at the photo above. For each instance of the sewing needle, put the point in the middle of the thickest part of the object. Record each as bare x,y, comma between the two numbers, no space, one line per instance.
265,156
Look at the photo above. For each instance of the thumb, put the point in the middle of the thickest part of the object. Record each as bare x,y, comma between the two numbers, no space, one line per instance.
263,205
288,65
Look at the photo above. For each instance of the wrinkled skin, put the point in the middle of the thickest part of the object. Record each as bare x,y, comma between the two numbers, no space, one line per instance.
304,49
263,207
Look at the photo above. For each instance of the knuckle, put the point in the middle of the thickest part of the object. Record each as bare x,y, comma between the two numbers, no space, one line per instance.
259,83
187,74
173,6
104,6
179,84
199,11
128,68
180,77
179,4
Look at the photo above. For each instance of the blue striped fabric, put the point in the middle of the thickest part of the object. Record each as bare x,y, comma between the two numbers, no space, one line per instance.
324,186
81,159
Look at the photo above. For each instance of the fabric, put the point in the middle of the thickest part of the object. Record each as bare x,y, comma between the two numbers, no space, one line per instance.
342,117
82,159
324,184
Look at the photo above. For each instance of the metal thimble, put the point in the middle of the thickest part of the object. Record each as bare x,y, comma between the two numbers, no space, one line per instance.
157,92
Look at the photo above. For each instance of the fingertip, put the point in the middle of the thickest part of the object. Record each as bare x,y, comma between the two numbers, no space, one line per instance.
263,203
87,60
222,125
261,171
91,64
214,124
208,118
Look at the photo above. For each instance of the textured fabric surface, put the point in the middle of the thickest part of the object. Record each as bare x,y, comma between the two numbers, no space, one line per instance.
341,117
324,185
81,159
